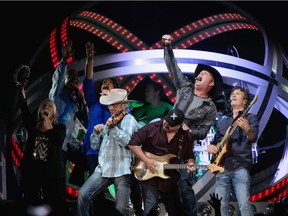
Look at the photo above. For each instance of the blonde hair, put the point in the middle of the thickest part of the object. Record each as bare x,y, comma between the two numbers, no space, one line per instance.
54,117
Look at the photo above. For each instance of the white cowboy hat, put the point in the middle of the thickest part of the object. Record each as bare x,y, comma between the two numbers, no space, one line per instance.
115,96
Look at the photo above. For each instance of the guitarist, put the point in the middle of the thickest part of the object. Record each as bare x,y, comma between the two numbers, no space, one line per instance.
237,161
160,138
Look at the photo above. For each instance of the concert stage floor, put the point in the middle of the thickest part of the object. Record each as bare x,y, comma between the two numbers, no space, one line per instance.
106,206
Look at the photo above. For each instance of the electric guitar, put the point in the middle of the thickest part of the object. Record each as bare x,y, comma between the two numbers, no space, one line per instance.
142,173
223,145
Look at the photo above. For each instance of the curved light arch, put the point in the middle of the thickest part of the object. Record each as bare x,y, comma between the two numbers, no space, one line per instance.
105,35
123,34
207,27
198,30
232,69
53,43
272,92
125,41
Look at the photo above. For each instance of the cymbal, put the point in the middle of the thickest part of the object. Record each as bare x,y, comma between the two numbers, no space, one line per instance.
135,104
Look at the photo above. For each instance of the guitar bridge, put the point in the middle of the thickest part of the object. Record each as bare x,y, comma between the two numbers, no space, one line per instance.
141,174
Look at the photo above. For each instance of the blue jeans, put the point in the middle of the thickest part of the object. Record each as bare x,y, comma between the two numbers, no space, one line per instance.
240,180
150,197
187,193
96,184
136,194
171,200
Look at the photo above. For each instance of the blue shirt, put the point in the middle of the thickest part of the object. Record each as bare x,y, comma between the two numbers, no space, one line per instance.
239,147
98,113
115,157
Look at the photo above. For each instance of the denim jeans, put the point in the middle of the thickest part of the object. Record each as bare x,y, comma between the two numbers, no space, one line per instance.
96,184
171,200
136,194
187,193
240,180
150,197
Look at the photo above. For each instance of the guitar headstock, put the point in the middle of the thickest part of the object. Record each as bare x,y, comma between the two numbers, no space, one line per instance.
253,101
214,168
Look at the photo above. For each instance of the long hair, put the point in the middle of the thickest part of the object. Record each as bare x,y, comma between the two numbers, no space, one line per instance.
54,117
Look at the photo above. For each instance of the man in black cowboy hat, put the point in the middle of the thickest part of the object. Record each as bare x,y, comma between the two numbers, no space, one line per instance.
195,100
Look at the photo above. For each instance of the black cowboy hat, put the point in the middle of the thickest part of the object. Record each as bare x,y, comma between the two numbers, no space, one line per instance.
217,89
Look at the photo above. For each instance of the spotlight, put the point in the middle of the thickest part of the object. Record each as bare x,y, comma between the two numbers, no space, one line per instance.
205,210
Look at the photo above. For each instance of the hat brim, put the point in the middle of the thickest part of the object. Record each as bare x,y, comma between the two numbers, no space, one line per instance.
218,80
174,117
106,101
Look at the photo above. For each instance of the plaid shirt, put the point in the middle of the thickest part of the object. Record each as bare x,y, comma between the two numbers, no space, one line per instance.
115,157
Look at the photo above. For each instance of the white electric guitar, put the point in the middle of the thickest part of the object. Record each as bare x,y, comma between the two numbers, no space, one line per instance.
142,173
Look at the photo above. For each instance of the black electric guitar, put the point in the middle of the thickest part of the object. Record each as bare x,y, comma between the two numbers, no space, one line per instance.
223,145
142,173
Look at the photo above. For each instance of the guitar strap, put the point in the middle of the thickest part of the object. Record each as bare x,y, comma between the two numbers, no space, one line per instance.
240,137
241,134
181,139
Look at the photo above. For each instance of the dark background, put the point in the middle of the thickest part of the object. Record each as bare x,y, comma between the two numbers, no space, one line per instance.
24,26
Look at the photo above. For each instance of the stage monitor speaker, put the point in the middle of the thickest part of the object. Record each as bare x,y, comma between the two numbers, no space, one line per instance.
204,208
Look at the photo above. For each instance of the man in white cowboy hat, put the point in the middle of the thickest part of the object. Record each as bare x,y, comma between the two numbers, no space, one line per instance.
115,158
194,98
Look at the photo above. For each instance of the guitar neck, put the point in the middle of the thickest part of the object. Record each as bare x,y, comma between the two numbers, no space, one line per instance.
183,166
227,136
233,127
